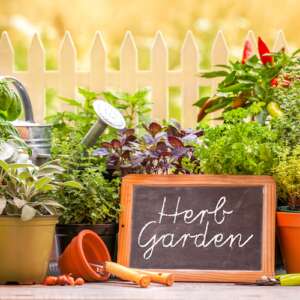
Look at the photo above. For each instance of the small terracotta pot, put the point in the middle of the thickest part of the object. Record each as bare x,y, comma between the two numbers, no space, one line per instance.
288,225
87,247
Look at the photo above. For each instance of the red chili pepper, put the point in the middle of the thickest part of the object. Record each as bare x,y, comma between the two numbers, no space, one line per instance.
247,52
263,50
274,82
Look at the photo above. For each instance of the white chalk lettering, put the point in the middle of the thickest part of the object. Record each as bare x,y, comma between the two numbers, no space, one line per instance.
202,219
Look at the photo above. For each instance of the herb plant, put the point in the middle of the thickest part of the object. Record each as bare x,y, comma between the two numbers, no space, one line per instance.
27,190
160,150
134,107
287,175
98,200
238,147
10,102
288,125
252,82
9,133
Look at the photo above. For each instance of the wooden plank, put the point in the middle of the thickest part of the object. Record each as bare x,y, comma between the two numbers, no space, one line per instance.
251,37
128,64
280,42
219,55
36,71
67,68
159,69
115,289
97,76
6,55
189,61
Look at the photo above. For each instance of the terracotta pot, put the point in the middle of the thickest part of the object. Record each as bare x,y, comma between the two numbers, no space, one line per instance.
85,248
107,232
288,225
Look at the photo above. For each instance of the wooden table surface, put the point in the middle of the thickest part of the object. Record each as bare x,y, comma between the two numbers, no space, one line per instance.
116,290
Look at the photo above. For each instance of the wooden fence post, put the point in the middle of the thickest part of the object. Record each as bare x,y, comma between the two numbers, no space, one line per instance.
36,70
280,42
128,64
97,76
6,55
159,80
67,68
189,61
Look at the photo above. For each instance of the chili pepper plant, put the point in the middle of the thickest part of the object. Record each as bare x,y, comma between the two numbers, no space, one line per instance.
252,83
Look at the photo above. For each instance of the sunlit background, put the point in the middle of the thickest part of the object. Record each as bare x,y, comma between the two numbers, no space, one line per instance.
50,18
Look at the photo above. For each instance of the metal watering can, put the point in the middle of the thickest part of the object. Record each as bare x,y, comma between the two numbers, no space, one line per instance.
37,136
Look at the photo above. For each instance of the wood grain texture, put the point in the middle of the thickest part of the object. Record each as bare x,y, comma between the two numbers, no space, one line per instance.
268,231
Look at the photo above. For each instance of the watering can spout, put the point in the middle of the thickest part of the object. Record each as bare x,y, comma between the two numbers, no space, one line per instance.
107,116
27,107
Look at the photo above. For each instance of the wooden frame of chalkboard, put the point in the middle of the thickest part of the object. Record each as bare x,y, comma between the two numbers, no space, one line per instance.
260,263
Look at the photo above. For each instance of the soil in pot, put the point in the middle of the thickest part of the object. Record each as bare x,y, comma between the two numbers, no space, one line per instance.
107,232
25,249
288,225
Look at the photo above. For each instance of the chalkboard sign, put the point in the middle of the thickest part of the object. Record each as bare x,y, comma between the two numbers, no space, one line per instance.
201,228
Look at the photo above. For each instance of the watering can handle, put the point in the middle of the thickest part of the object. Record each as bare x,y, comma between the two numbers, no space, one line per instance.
24,97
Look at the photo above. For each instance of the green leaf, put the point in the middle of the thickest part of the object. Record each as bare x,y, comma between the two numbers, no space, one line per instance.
21,166
42,182
223,66
72,184
2,205
28,213
214,74
218,105
201,101
4,165
229,79
235,88
71,102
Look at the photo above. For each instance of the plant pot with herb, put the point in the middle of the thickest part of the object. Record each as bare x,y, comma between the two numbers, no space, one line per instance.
161,149
28,214
268,87
96,205
287,174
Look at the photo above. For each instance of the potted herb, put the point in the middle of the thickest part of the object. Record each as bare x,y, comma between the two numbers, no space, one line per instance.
160,150
96,205
238,147
252,82
287,175
28,214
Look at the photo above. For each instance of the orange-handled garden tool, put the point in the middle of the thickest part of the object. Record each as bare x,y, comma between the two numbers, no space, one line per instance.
87,250
158,277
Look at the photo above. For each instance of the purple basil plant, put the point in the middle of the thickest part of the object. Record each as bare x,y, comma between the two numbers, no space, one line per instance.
159,151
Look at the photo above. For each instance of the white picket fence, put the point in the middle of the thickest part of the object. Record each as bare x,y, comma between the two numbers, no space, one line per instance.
159,78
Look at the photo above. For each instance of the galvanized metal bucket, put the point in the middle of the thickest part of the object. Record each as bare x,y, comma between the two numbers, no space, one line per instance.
37,136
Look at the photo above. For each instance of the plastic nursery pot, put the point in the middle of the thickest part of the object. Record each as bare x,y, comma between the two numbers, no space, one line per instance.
25,248
87,247
66,232
288,225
